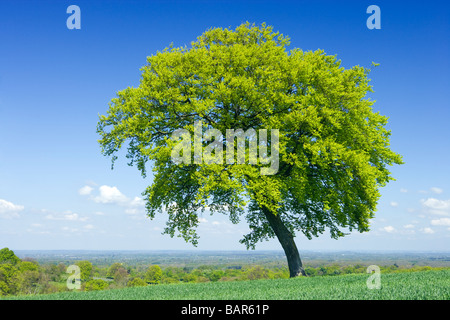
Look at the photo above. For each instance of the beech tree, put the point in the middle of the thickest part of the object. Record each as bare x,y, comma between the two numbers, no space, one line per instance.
332,150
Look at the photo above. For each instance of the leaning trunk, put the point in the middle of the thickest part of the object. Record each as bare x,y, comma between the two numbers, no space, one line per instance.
287,242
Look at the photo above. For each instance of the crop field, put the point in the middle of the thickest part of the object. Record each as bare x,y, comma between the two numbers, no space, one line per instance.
420,285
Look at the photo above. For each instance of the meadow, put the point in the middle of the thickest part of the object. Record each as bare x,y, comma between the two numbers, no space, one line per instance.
418,285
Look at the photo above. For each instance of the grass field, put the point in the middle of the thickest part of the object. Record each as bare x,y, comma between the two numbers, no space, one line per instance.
423,285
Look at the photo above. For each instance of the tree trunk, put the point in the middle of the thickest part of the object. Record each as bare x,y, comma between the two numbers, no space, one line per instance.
287,242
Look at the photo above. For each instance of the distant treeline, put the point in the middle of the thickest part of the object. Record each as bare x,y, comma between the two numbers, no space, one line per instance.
27,276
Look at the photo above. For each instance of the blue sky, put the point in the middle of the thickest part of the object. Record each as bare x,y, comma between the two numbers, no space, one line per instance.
58,192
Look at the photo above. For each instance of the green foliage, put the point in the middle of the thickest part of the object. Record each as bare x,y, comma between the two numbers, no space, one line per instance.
9,279
8,256
154,274
136,282
96,284
113,269
27,277
334,149
121,276
28,266
257,272
216,275
85,269
30,281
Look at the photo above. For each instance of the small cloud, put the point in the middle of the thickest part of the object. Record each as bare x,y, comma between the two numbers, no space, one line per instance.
86,190
202,220
402,190
393,204
67,229
99,213
9,210
67,216
216,223
132,211
89,226
427,230
437,190
137,202
110,195
135,206
408,226
438,207
441,222
389,229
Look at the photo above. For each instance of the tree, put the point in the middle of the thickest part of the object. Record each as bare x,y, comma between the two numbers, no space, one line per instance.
136,282
9,279
8,256
29,281
154,274
257,272
28,266
85,269
328,150
113,269
215,275
121,276
96,284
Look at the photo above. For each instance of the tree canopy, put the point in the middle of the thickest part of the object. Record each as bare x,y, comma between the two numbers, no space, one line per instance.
332,150
8,256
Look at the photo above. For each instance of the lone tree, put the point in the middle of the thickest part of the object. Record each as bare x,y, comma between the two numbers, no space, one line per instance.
332,149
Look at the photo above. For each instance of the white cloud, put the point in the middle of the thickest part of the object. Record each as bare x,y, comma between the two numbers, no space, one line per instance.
135,206
133,211
137,202
89,226
110,195
9,210
427,230
86,190
67,229
408,226
393,204
438,207
389,229
36,225
437,190
441,222
218,227
403,190
67,216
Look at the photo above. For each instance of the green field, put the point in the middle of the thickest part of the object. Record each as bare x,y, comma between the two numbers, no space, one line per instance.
421,285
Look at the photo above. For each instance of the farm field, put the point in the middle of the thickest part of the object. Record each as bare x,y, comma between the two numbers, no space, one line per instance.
419,285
